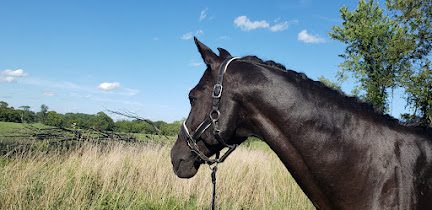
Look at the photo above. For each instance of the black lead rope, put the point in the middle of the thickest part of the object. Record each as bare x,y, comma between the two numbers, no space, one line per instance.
213,176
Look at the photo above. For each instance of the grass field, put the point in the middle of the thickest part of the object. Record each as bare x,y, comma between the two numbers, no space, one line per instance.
140,176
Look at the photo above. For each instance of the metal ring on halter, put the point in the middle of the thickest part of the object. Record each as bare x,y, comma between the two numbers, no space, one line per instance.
214,115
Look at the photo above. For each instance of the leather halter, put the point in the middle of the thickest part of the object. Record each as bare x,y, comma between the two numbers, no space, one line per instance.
212,119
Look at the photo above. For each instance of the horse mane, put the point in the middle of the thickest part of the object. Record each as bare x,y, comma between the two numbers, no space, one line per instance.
365,107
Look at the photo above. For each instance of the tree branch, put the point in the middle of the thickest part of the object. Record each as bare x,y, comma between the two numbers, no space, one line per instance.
129,114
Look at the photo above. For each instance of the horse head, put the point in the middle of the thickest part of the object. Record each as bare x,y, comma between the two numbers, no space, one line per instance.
217,127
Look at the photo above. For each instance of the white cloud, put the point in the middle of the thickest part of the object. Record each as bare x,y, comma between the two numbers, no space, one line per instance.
107,86
199,32
16,73
7,79
203,14
280,27
196,63
245,24
9,75
309,38
49,93
189,35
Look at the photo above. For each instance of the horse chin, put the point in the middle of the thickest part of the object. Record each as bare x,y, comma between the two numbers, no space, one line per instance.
186,168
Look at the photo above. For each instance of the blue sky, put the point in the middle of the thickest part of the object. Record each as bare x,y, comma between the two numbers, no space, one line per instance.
89,56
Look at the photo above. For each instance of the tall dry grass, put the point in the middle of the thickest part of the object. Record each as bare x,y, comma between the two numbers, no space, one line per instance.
141,177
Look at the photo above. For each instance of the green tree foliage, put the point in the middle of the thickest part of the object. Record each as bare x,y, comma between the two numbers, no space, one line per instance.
135,126
4,112
417,17
9,114
27,115
170,129
42,115
54,119
378,50
77,120
102,122
419,96
329,83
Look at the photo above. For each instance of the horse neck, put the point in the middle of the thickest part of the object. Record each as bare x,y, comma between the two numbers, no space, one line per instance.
288,106
305,127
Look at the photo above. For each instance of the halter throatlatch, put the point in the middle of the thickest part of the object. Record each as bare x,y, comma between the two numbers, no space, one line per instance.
212,119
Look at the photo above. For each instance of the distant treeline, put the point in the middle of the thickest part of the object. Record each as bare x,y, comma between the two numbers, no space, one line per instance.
99,121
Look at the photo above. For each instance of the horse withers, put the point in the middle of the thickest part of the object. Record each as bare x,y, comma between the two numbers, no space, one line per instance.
342,153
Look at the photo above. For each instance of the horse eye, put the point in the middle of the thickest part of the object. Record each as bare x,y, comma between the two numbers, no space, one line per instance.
192,100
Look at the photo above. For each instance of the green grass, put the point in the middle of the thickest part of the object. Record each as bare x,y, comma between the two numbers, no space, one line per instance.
7,127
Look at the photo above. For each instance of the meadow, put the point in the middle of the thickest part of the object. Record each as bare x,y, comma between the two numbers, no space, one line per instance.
139,175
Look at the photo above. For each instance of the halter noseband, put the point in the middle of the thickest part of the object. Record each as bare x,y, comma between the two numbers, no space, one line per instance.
212,119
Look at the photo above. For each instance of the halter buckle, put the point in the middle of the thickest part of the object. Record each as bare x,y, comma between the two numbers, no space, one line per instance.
217,91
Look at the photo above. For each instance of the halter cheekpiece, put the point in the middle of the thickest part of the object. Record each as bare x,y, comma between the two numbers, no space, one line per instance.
212,119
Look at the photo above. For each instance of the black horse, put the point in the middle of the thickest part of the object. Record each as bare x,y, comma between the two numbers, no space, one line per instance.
342,153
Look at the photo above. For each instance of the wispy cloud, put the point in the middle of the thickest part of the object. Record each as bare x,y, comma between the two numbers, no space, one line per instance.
129,92
309,38
282,26
189,35
10,75
245,24
49,93
16,73
107,86
279,27
199,32
7,79
193,63
224,37
203,14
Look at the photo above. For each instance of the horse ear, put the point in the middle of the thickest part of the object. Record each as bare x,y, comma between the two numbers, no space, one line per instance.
224,54
209,57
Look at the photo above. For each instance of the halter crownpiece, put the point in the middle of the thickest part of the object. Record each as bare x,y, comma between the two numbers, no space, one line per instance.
212,119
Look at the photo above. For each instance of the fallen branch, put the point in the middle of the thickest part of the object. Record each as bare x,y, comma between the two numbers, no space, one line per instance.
129,114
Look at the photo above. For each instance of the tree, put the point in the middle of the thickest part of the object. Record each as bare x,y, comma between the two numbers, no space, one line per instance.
3,105
9,114
27,115
378,50
3,111
42,115
54,119
419,96
102,122
170,129
416,16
